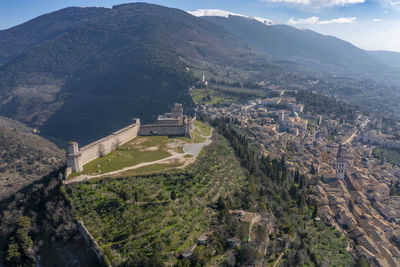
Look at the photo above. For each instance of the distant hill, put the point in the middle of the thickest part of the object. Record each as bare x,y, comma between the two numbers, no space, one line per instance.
24,158
319,51
96,69
16,40
388,57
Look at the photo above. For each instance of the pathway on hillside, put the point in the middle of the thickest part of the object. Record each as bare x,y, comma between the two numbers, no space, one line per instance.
191,149
194,149
174,158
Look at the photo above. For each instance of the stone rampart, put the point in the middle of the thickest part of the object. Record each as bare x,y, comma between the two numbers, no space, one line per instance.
76,157
92,242
108,144
162,129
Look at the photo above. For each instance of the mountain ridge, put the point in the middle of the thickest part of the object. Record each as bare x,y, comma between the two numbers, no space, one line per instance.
92,79
302,46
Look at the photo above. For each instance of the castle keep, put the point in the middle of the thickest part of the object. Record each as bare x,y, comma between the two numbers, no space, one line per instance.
174,123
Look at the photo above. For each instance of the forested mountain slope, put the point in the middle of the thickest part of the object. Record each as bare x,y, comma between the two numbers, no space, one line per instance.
326,53
24,158
100,71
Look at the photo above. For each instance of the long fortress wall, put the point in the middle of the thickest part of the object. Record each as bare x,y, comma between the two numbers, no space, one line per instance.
76,157
172,124
110,143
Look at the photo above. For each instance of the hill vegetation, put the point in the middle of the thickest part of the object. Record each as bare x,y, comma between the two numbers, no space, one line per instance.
301,238
143,219
24,158
37,226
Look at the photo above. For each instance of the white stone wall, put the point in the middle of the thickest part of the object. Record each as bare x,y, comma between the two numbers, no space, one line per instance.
108,144
76,160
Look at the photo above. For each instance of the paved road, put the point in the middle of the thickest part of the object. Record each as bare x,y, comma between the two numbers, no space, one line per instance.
194,149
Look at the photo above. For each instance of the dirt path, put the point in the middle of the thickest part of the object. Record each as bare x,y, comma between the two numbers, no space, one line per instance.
254,219
173,158
278,260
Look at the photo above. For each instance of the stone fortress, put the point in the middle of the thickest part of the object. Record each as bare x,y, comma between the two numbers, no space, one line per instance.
172,124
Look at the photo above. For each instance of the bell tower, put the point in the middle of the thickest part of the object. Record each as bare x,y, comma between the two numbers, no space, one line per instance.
340,164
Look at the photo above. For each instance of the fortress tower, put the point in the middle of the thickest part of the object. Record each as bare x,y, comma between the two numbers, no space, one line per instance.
74,157
177,110
340,164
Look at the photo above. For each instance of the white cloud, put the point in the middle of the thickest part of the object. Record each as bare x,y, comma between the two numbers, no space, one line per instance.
393,2
377,20
320,3
315,20
340,20
310,20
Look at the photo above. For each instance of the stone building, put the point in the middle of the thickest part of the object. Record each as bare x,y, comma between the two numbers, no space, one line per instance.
173,123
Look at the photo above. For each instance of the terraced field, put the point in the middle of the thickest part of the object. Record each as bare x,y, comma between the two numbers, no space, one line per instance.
135,217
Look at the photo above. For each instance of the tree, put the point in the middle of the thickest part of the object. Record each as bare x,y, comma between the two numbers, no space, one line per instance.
312,171
247,254
173,195
301,200
315,211
20,245
13,255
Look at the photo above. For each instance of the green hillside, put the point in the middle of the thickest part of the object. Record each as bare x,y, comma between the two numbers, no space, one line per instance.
153,217
24,158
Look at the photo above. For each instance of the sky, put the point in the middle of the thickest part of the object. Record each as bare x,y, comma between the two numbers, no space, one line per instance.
368,24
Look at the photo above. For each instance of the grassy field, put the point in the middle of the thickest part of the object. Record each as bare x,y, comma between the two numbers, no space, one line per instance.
139,216
205,96
144,149
204,128
138,150
152,169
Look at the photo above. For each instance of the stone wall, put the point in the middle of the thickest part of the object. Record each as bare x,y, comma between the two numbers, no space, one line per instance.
76,157
167,129
108,144
157,129
92,242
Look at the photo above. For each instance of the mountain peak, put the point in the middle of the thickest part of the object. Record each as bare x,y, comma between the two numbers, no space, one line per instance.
226,14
